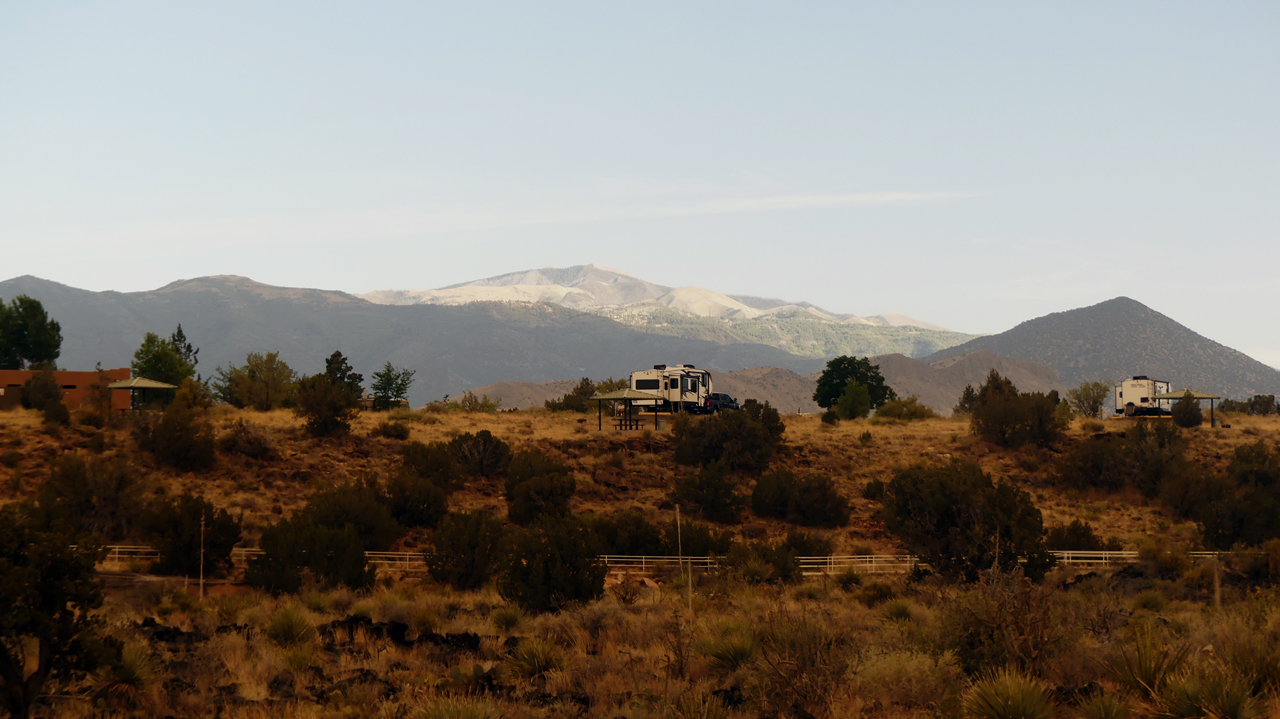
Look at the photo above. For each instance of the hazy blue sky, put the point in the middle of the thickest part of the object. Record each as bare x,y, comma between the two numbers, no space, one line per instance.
971,164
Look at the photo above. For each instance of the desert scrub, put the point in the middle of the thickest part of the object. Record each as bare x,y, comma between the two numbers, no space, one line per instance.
507,619
534,658
899,610
909,678
875,593
289,627
1008,695
848,579
459,708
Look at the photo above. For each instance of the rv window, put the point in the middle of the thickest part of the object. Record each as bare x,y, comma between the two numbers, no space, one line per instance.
648,384
675,383
693,385
1145,399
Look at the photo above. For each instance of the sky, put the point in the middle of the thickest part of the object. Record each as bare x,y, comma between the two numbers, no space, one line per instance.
970,164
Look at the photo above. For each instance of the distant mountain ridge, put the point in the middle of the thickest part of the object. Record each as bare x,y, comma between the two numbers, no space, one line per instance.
452,348
694,312
1121,338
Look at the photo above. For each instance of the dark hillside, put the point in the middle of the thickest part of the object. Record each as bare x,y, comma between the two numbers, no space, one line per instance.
1121,338
453,348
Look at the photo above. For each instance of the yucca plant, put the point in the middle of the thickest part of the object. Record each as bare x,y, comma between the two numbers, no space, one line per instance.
1104,706
899,610
128,679
848,579
453,708
506,619
289,627
1008,695
1145,670
729,654
699,706
534,658
1192,696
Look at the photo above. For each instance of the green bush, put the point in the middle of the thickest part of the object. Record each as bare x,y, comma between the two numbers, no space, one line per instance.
531,464
249,440
905,410
712,490
334,557
804,544
415,501
390,430
466,549
745,440
264,382
56,413
762,561
854,402
1079,537
552,565
182,437
629,533
433,462
1186,412
576,400
1003,416
695,539
1246,513
961,523
99,496
359,505
328,407
1150,454
546,496
830,417
174,528
41,390
810,502
480,454
1260,405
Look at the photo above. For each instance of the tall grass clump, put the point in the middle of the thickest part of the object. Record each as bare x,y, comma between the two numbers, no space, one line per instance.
1008,695
289,627
459,708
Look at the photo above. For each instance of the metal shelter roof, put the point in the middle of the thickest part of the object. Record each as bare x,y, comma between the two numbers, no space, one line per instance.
1180,393
627,393
140,383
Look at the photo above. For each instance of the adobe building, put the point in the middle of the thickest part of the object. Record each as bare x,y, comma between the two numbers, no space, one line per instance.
75,387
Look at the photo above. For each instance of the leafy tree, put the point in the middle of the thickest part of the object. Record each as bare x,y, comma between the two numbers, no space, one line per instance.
390,384
1005,417
48,628
552,565
158,359
575,400
1089,398
263,382
961,523
743,441
1186,412
433,462
28,336
844,369
360,505
545,496
968,398
467,548
629,533
183,437
480,454
189,353
327,406
713,490
854,402
416,501
340,372
1077,537
334,556
41,390
89,495
174,528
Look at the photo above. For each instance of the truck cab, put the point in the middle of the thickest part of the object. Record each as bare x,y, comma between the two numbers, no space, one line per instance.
683,388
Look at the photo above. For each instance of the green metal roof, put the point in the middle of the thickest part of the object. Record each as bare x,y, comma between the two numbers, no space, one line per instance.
140,383
626,394
1180,393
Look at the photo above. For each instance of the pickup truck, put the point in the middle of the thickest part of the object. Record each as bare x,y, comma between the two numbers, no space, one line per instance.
717,401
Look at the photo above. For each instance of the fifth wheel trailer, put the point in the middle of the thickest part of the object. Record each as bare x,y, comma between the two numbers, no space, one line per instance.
683,388
1135,397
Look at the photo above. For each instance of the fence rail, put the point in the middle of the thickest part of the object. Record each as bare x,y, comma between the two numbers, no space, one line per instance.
642,564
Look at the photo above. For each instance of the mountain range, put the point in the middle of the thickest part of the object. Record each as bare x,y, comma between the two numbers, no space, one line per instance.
459,347
693,312
1121,338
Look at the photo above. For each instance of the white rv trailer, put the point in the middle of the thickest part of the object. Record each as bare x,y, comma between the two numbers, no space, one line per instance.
683,387
1136,397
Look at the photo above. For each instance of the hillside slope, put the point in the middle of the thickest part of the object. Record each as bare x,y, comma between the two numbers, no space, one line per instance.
1120,338
452,348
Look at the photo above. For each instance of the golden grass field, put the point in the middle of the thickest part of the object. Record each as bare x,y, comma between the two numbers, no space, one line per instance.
829,647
